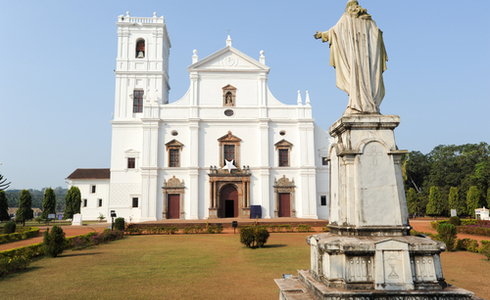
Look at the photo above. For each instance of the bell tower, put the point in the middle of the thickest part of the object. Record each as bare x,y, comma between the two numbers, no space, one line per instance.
142,81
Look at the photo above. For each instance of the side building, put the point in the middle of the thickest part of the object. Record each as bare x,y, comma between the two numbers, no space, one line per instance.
226,146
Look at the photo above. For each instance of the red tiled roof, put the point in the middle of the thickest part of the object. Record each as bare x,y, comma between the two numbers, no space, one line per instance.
90,174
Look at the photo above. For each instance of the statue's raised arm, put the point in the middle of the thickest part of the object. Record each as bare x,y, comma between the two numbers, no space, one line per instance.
357,52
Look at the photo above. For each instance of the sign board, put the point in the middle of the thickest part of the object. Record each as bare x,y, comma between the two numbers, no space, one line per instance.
51,216
453,213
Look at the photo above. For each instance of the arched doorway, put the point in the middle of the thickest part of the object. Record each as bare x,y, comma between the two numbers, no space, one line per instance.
228,202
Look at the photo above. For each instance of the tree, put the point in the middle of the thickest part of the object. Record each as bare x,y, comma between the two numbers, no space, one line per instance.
73,201
3,183
25,211
4,207
49,203
454,202
488,197
472,200
435,205
412,201
54,242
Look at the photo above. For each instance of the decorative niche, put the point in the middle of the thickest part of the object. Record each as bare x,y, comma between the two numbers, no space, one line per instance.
229,95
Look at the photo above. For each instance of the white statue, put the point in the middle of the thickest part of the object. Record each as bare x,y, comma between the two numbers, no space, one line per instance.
358,54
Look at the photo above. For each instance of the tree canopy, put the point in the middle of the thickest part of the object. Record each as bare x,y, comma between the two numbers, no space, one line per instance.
4,207
25,211
446,167
49,204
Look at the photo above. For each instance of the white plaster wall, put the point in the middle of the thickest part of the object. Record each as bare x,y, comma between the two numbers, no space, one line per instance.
102,191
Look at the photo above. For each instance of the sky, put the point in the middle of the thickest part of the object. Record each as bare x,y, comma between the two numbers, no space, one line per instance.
57,60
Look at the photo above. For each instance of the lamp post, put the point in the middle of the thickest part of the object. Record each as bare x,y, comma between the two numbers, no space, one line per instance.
113,215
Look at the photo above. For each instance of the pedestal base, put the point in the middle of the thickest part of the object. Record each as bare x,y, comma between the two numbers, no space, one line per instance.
305,287
213,213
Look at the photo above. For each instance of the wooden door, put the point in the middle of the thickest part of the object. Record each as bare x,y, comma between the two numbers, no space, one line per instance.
228,202
284,205
173,206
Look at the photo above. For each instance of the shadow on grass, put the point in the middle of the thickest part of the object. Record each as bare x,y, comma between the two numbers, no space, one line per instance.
275,246
77,254
16,274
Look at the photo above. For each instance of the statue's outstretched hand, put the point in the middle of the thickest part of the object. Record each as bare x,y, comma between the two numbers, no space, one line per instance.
318,35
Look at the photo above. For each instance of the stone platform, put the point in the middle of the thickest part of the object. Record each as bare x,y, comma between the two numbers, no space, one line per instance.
304,286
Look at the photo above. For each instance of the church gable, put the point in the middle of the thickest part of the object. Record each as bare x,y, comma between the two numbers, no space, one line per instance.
229,137
230,59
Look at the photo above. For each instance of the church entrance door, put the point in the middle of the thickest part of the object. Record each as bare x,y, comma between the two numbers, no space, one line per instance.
229,202
173,206
284,205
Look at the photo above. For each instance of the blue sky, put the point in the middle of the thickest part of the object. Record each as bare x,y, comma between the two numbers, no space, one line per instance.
57,60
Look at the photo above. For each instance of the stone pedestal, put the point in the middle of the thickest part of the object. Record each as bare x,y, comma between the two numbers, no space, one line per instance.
369,253
213,213
367,194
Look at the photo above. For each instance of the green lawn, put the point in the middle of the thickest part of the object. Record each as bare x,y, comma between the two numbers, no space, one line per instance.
192,267
163,267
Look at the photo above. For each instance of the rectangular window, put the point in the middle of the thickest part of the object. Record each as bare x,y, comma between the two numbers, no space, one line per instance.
100,202
323,200
92,189
324,161
137,101
229,152
174,159
135,201
283,158
84,202
131,162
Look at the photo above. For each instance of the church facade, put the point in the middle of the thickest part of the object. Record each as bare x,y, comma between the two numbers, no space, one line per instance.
228,148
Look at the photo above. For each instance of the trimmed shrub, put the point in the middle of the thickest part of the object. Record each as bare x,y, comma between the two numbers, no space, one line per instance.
9,228
474,230
13,264
447,234
54,242
485,249
21,234
254,236
304,228
119,224
455,221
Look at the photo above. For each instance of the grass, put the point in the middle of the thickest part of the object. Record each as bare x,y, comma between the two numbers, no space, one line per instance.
191,267
163,267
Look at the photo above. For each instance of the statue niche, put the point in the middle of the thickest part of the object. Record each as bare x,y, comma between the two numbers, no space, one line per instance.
229,95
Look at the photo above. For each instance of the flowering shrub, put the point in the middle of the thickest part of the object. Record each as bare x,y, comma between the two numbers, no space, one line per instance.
13,264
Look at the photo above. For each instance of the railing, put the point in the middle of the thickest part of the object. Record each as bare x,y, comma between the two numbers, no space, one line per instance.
139,20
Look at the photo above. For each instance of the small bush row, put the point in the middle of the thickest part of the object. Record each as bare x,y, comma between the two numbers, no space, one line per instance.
286,228
151,230
24,234
463,222
465,244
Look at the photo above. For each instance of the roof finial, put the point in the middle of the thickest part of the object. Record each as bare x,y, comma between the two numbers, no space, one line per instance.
299,98
228,40
194,57
307,101
262,57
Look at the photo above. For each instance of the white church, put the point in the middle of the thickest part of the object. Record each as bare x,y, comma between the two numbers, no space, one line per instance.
227,149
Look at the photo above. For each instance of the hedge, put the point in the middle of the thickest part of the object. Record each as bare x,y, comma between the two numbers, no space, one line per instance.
18,236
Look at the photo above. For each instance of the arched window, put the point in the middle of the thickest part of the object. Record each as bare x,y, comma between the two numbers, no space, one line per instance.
140,48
